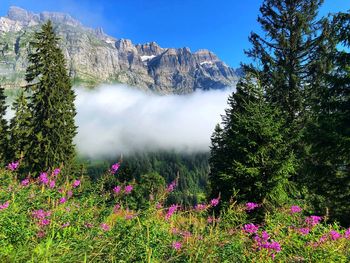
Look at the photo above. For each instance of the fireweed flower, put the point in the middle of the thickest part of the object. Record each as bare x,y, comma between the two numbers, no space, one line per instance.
56,172
105,227
171,210
45,222
214,202
304,231
25,182
116,208
76,183
295,209
69,194
200,207
347,234
171,186
114,168
52,184
176,245
250,206
128,189
117,189
313,220
250,228
13,166
63,200
334,235
65,225
4,205
43,178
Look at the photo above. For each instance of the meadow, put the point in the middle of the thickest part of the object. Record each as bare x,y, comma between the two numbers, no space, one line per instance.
57,218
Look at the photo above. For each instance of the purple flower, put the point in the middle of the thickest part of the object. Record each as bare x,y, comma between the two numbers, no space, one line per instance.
43,178
304,231
171,186
13,166
52,184
56,172
117,189
45,222
265,236
114,168
347,234
171,210
176,245
159,206
251,206
63,200
295,209
76,183
200,207
313,220
334,235
128,189
69,194
105,227
4,205
214,202
25,182
275,246
116,208
65,225
250,228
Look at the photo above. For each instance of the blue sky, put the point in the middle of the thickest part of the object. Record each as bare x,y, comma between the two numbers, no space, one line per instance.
221,26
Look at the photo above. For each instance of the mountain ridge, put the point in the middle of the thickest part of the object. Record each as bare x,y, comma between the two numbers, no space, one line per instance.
94,57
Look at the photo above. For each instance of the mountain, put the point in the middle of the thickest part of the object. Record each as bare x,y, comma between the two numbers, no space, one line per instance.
94,57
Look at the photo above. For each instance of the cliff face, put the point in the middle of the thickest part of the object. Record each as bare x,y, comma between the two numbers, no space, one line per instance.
94,57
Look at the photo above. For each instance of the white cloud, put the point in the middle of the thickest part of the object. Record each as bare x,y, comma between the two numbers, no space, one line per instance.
118,119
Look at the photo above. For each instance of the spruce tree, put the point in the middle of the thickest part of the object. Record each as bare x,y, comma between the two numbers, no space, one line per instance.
20,129
249,158
3,128
51,104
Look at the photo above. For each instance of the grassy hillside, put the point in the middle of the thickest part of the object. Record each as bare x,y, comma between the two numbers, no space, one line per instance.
54,219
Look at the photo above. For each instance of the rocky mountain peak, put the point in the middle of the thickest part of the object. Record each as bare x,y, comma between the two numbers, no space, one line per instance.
19,14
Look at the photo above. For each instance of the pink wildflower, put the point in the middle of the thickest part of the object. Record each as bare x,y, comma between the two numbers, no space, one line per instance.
347,234
76,183
171,210
114,168
65,225
69,194
313,220
116,208
45,222
304,231
13,166
176,245
88,225
251,206
56,172
63,200
117,189
200,207
159,206
250,228
43,178
214,202
40,234
128,189
295,209
171,186
5,205
334,235
52,184
265,236
25,182
105,227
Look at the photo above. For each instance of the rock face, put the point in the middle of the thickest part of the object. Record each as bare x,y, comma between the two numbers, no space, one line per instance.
94,57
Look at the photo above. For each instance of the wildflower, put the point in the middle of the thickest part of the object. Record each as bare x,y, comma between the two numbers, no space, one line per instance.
105,227
171,210
41,214
295,209
129,216
52,184
334,235
69,194
45,222
174,230
56,172
214,202
171,186
275,246
63,200
251,206
25,182
117,189
159,206
313,220
347,234
40,234
13,166
5,205
116,208
304,231
176,245
65,225
88,225
200,207
128,189
265,236
250,228
76,183
114,168
43,178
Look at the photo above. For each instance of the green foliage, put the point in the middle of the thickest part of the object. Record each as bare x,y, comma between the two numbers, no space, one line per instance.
51,104
250,161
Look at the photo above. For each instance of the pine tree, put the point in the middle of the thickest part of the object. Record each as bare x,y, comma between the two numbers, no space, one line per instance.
20,129
3,128
249,157
286,54
51,104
